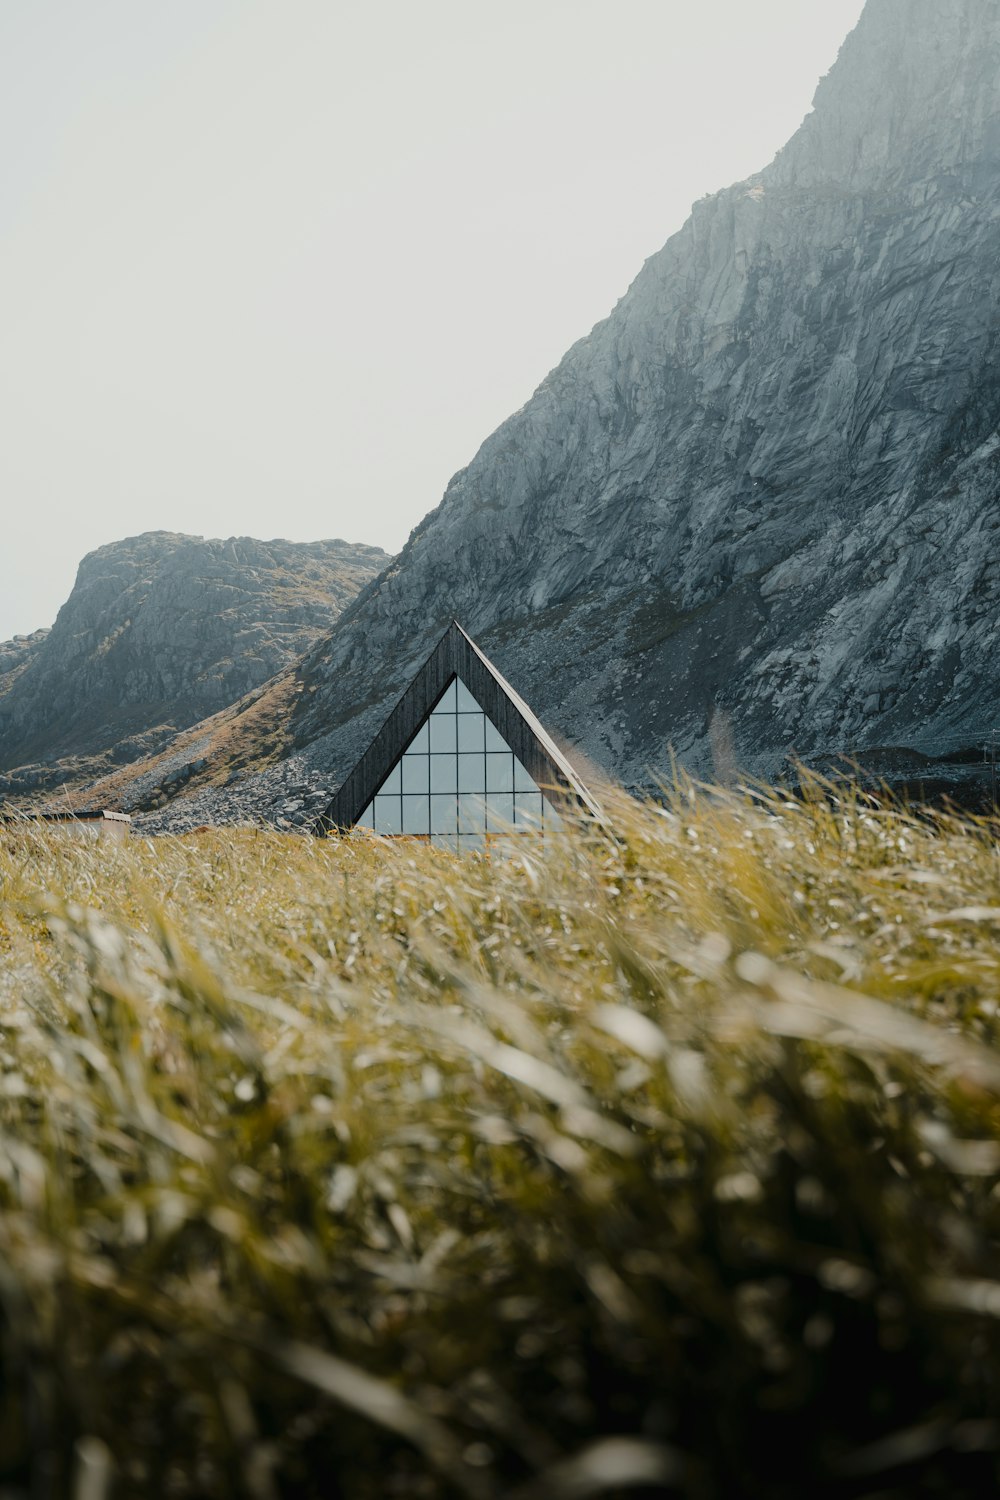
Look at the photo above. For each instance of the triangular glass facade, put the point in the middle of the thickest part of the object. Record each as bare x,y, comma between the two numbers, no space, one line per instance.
458,784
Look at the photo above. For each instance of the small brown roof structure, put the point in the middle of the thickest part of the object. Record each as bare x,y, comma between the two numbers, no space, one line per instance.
102,824
102,815
456,655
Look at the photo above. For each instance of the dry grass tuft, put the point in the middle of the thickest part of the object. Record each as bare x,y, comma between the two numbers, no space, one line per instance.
661,1162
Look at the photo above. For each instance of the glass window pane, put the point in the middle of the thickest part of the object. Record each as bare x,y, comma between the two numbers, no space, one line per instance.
442,731
500,772
416,772
446,703
465,702
522,781
471,813
528,809
444,813
551,816
467,842
472,773
503,846
388,815
367,818
471,731
445,841
419,742
499,811
416,814
393,782
444,773
494,739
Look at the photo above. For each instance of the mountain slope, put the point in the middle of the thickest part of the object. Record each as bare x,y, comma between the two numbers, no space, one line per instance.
159,631
763,493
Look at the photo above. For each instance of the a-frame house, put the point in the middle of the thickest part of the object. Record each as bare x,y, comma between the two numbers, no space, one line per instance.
460,760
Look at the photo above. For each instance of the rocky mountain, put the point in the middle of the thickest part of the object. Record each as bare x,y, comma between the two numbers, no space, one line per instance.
15,654
754,514
757,507
159,631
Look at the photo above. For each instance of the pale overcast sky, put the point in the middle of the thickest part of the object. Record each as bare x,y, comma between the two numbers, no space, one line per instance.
278,267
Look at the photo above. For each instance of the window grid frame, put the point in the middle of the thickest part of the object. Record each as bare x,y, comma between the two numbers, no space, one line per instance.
535,810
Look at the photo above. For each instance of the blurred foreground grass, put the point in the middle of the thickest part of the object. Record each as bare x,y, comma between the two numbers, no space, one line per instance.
657,1163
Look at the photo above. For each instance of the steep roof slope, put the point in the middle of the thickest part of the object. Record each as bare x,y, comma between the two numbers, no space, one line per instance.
456,656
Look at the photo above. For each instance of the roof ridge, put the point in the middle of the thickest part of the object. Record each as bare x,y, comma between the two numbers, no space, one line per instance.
456,654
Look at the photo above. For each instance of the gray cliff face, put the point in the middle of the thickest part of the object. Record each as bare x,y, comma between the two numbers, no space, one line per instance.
17,653
764,492
160,631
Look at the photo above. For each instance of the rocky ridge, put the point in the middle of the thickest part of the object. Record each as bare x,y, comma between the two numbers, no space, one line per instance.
17,653
762,495
754,514
160,631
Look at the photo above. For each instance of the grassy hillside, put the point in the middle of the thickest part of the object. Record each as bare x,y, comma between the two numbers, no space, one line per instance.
657,1163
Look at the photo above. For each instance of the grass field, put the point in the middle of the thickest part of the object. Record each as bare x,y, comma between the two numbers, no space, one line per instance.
663,1162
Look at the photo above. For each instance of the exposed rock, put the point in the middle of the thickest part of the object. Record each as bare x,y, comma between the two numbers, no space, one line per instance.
160,631
16,654
766,486
757,507
290,794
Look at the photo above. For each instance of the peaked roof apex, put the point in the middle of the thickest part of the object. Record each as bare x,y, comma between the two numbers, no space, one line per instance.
456,655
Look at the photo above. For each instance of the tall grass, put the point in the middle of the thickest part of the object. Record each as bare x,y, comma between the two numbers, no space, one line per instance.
662,1161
